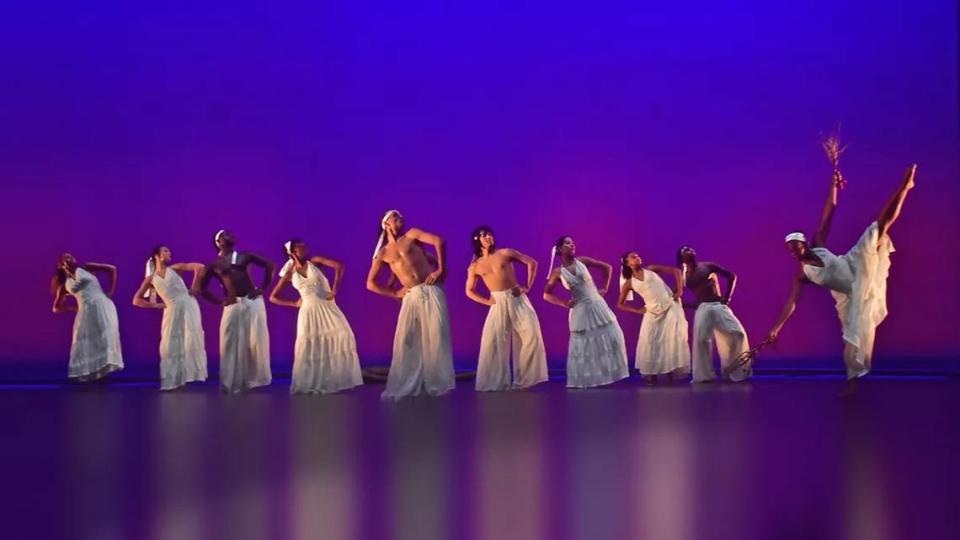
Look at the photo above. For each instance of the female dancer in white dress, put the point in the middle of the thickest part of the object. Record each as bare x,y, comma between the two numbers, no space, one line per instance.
662,348
597,354
325,354
183,358
857,279
95,350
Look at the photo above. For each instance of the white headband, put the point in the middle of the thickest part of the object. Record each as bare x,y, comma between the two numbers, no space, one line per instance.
553,255
148,271
286,267
383,231
798,236
216,237
624,280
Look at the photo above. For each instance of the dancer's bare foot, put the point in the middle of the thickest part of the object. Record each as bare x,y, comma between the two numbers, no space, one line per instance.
909,176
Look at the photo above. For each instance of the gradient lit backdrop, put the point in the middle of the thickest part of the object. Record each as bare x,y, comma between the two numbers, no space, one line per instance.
626,126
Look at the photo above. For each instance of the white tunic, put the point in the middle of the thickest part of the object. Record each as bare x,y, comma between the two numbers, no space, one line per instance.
597,354
662,346
858,282
183,357
95,350
325,354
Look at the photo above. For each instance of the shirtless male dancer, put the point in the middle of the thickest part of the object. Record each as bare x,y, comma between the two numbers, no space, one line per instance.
713,319
511,317
422,353
244,339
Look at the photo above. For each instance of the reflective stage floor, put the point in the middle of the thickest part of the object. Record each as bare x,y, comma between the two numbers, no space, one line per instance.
775,458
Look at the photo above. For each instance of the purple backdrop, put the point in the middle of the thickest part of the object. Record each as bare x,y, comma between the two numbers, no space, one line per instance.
627,127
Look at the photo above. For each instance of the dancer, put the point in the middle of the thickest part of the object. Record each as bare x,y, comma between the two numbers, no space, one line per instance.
183,358
662,347
597,354
511,317
422,354
857,280
244,339
95,349
713,319
325,354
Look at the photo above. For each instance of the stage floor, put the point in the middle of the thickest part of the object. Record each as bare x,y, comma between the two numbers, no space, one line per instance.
775,458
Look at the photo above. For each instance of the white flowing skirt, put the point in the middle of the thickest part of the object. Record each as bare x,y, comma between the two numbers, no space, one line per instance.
511,326
422,352
865,307
325,354
597,354
716,321
95,350
244,346
662,346
183,358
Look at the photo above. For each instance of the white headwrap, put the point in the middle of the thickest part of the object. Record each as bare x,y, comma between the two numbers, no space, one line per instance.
383,231
286,267
798,236
624,280
149,271
216,238
553,255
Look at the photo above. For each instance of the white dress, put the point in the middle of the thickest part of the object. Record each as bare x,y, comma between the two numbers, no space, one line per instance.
597,354
183,358
95,350
662,346
325,354
858,282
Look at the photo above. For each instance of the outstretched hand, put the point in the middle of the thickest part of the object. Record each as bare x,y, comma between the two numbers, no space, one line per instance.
838,180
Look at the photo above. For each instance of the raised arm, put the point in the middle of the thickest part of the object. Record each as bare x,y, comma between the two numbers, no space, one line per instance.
268,268
440,246
275,293
375,287
59,301
195,268
603,267
471,287
108,269
531,264
826,218
338,269
138,297
674,272
548,291
788,308
731,281
622,300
